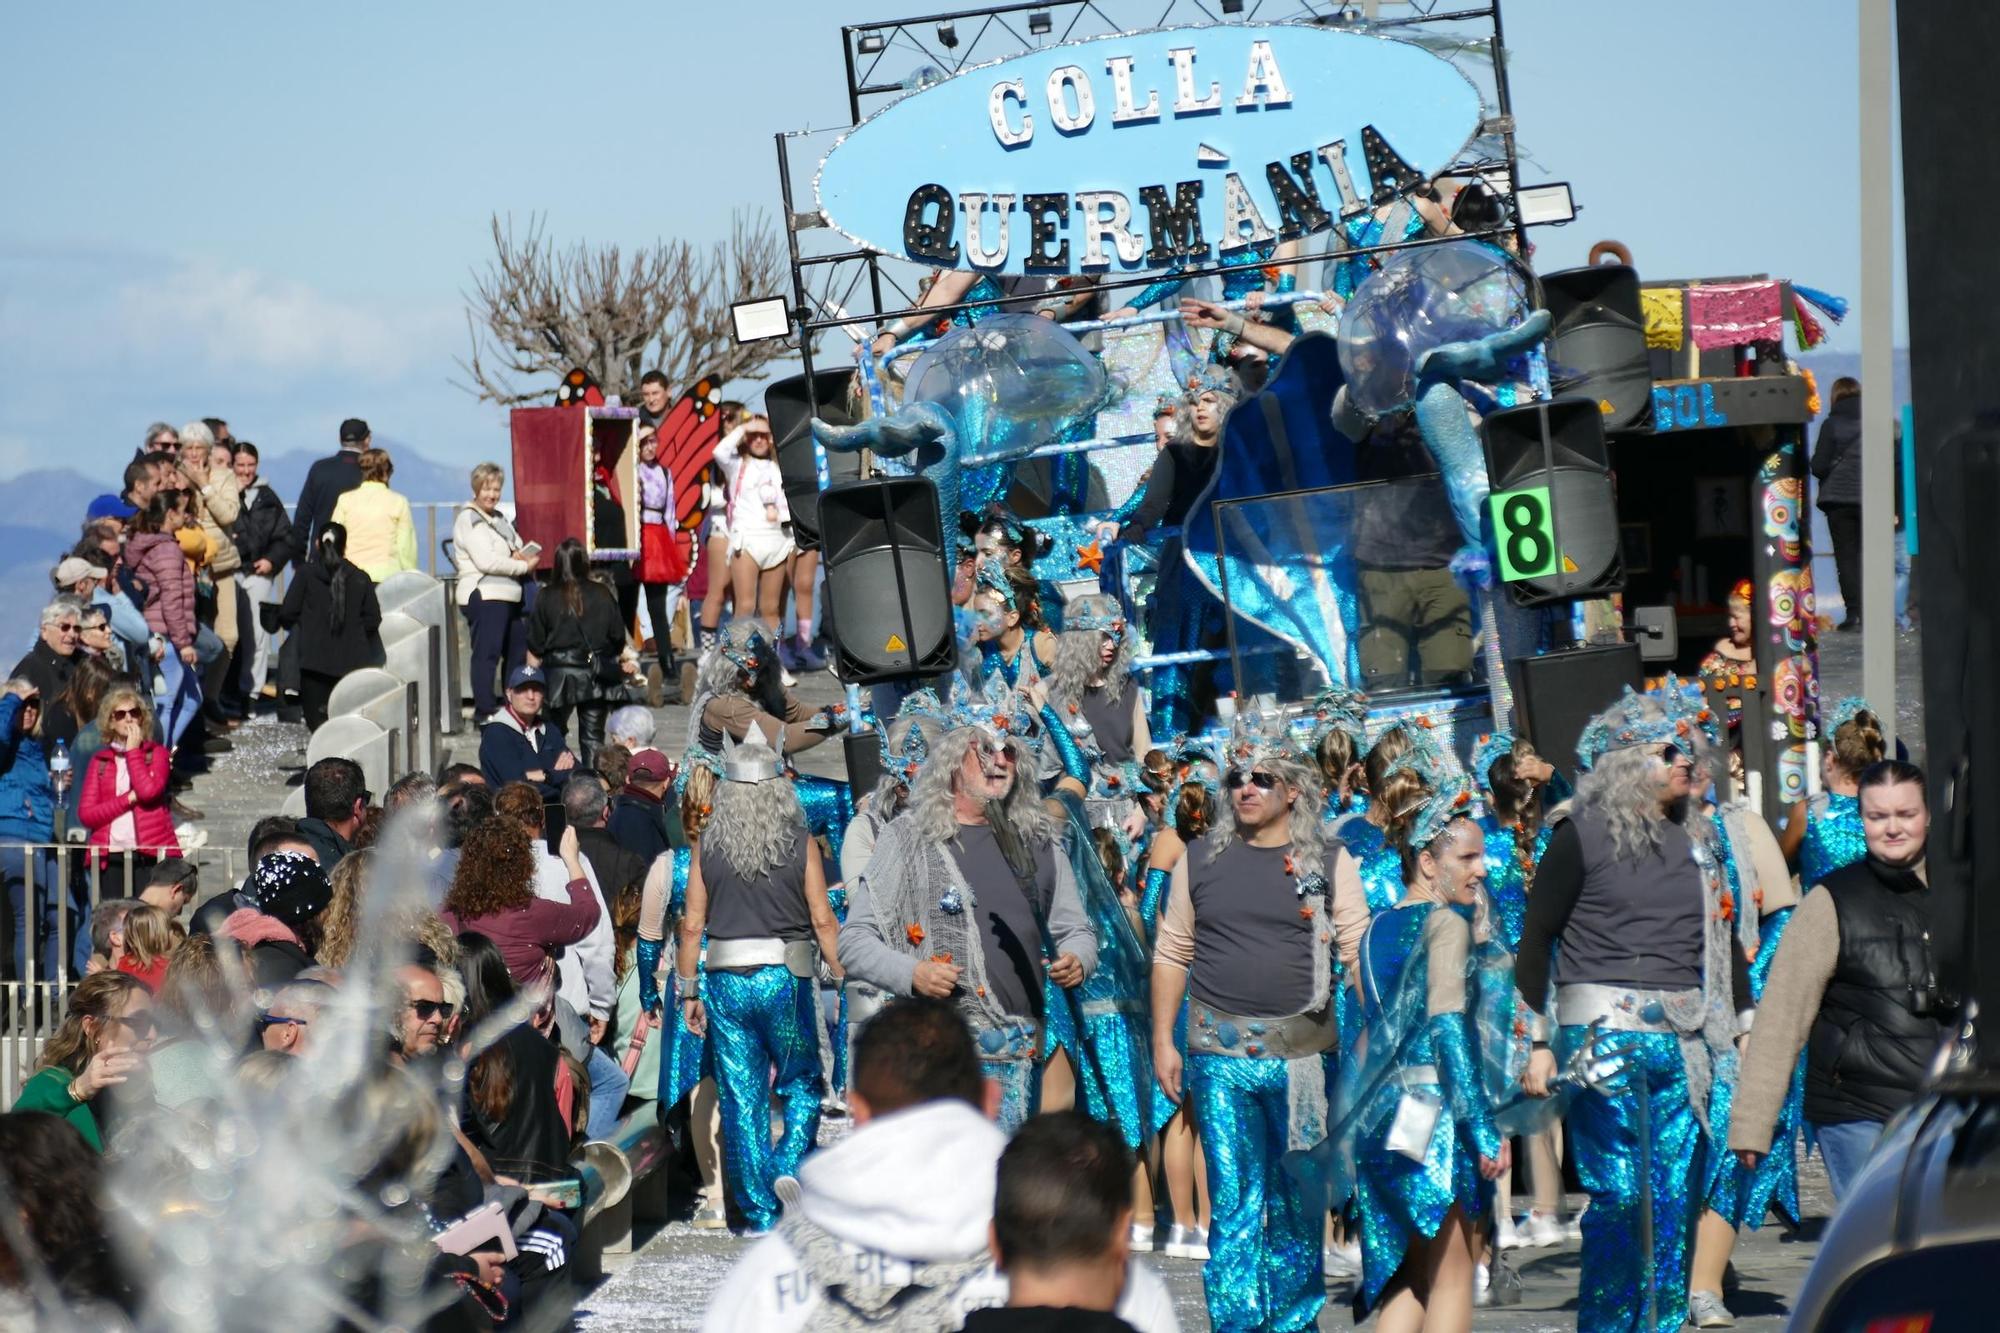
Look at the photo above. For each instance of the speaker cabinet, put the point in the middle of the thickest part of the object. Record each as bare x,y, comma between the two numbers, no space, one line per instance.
1597,346
888,589
1559,445
1556,695
791,410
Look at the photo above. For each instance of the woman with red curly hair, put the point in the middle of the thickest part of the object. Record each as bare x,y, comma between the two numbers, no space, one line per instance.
493,893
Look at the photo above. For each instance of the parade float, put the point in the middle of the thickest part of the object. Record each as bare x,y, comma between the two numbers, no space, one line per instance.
1599,458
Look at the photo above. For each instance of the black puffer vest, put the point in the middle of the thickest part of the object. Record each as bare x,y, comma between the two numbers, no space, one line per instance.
1882,1016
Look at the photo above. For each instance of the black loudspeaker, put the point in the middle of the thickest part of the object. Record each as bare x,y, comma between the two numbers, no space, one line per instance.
1556,694
864,761
888,590
791,413
1558,446
1597,346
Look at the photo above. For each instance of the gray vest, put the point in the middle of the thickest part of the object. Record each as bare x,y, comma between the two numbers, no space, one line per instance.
1639,921
1253,948
771,906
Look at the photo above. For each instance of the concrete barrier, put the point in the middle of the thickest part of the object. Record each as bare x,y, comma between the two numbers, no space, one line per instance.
355,737
383,698
428,601
411,651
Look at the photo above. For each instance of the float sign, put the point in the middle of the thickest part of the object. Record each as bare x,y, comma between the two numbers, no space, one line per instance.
1147,150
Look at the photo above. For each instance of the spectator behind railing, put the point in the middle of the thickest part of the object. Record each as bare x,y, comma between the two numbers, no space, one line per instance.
149,939
94,1067
331,608
124,802
27,818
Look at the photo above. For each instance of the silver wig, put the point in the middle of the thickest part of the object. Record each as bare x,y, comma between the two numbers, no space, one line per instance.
1623,789
1307,849
718,675
1021,809
757,826
1079,659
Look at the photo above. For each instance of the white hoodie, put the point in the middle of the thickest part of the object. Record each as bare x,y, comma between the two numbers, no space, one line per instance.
913,1187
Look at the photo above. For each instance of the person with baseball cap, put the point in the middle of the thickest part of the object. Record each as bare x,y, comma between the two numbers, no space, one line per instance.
520,745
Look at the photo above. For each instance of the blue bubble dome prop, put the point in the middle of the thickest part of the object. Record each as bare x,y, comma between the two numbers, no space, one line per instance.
1011,383
1420,300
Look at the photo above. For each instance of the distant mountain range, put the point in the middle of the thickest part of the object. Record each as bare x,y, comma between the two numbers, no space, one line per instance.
48,526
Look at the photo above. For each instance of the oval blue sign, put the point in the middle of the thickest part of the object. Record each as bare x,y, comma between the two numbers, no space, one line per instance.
1146,150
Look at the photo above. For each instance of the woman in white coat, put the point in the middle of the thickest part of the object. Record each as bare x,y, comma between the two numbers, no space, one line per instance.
492,562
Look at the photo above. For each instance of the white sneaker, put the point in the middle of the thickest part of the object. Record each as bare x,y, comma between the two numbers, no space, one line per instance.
1185,1243
1574,1227
1706,1310
787,678
1541,1230
189,837
1142,1238
1506,1235
1481,1280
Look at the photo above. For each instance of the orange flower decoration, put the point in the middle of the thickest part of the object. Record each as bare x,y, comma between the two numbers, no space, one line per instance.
1290,867
1726,909
914,933
1306,913
941,958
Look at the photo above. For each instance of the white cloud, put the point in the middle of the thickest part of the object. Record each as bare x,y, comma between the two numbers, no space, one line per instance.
241,320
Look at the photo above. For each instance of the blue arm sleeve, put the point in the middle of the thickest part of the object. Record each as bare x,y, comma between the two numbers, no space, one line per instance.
1458,1069
1073,762
649,967
1154,896
1155,292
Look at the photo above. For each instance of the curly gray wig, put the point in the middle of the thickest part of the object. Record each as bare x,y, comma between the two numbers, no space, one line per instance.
1021,810
1623,789
1079,661
718,674
757,826
1307,848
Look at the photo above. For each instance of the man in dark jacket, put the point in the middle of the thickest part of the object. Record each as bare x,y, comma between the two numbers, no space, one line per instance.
642,821
263,535
1836,466
328,480
336,798
519,746
587,808
51,662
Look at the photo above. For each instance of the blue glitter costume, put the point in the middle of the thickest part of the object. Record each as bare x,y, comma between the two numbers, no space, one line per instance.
1506,877
1243,275
1834,838
1400,1199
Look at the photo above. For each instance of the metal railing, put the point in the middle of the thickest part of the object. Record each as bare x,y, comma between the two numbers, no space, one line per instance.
61,885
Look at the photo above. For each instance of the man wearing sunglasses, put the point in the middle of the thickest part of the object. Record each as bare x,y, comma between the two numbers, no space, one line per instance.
1248,928
51,662
421,1022
1633,887
959,895
287,1025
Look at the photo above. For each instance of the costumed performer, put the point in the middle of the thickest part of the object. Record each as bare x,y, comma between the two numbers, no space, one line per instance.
1249,931
1827,834
961,891
1428,1150
759,891
1632,887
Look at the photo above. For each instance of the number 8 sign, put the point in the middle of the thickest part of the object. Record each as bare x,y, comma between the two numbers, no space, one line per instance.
1524,531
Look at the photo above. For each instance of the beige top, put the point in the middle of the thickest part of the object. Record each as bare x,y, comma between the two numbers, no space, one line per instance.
1799,974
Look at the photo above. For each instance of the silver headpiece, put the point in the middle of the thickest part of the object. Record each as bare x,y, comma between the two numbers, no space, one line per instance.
756,759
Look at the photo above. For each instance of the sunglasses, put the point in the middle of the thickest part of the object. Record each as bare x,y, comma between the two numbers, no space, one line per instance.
140,1025
273,1020
1235,780
426,1010
1673,754
70,628
125,714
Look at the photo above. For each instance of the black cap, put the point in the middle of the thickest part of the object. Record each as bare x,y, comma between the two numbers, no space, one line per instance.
353,431
290,887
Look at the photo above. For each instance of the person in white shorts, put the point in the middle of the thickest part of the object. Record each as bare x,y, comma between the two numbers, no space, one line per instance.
760,522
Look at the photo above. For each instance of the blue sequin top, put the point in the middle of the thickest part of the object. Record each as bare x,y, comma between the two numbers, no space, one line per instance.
1833,837
1506,880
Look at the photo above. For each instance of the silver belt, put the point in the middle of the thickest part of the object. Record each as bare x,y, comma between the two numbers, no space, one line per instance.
799,957
1213,1032
1619,1008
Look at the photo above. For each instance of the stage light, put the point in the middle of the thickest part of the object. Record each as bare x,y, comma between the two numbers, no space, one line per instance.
1232,6
1040,23
1545,204
870,41
947,35
758,320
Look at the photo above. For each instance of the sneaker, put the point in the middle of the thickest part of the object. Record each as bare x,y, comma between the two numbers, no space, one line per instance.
809,658
1503,1285
1341,1260
1142,1238
1506,1235
711,1216
1541,1230
1573,1228
1706,1310
1185,1243
786,677
1481,1286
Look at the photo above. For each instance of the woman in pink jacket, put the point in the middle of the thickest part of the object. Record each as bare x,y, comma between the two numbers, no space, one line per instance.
124,800
155,554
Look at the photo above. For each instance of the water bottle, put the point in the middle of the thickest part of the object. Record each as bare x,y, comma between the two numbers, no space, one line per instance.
59,770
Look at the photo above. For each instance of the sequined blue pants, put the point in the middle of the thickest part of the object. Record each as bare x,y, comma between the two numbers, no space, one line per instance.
1263,1270
1020,1083
1604,1128
760,1025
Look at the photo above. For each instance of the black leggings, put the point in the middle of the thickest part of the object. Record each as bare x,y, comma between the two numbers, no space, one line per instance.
656,612
315,689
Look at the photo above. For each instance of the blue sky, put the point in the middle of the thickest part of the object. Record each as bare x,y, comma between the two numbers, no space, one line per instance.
271,212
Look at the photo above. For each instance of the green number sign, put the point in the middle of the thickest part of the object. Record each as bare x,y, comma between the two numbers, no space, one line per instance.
1525,533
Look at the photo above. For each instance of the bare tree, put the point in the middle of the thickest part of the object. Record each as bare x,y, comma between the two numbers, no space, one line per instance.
537,312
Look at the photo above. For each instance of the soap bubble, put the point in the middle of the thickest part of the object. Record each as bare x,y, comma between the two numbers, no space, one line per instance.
1011,383
1422,299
